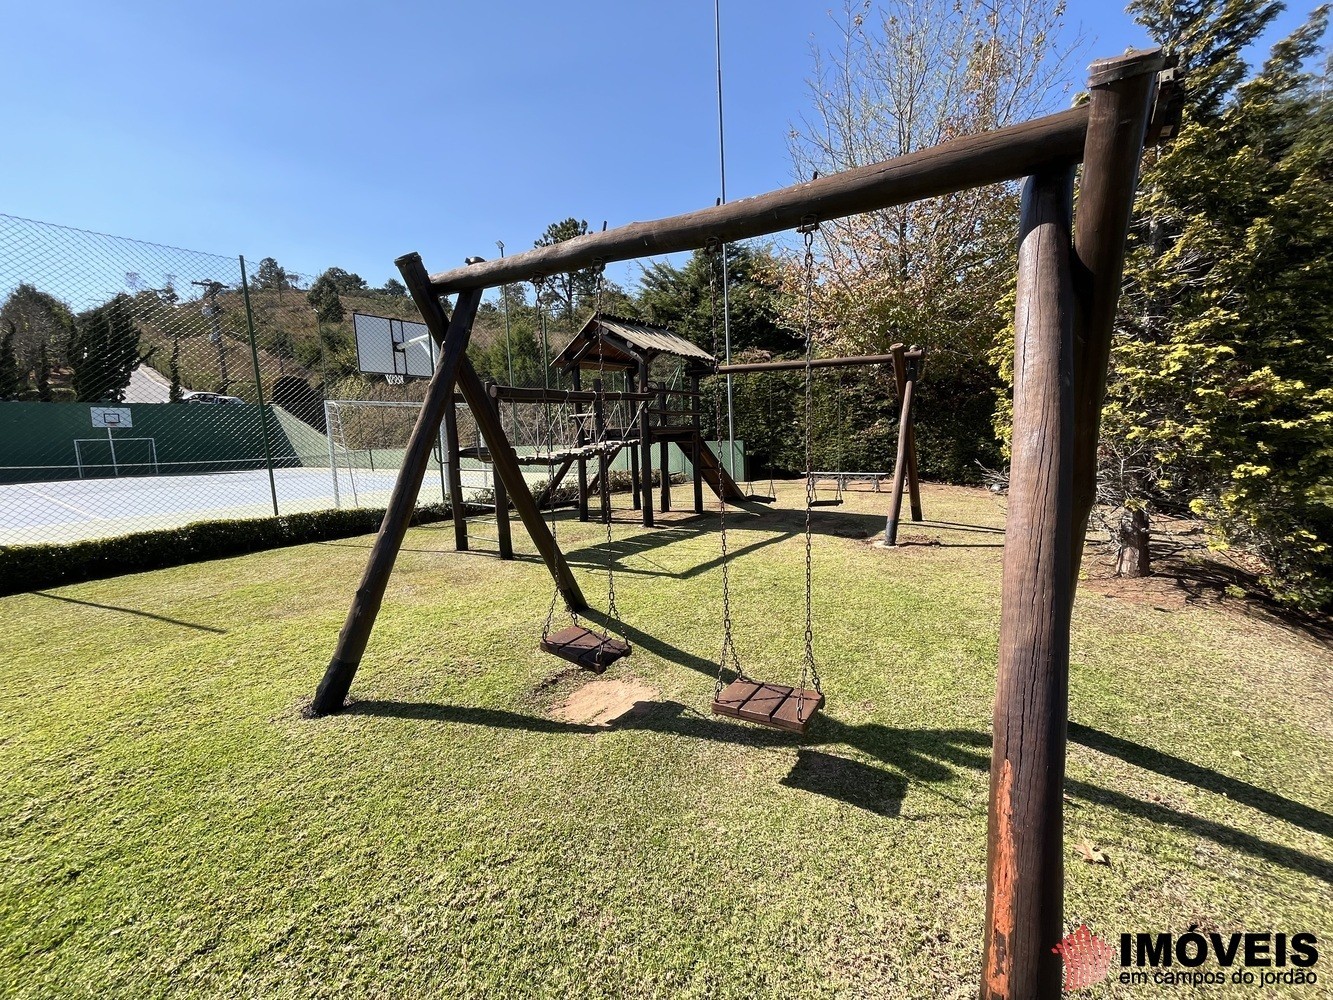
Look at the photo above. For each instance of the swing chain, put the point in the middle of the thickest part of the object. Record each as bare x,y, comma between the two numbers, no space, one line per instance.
537,284
727,657
808,667
612,612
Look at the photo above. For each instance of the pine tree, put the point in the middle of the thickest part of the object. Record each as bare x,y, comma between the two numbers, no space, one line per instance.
1221,401
43,374
563,295
11,382
104,350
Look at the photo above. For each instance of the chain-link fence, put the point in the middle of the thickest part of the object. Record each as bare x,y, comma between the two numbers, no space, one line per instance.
146,386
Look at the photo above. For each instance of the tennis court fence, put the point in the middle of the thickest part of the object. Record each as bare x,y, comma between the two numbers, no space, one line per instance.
146,386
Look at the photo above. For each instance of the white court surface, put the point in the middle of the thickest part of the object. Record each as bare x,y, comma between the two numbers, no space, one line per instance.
73,509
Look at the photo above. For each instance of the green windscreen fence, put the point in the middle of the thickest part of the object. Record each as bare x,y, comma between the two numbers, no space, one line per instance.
145,386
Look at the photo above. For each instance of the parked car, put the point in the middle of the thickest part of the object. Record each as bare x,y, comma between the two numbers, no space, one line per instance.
209,397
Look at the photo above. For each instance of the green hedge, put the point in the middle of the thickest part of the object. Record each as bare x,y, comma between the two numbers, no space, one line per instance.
32,567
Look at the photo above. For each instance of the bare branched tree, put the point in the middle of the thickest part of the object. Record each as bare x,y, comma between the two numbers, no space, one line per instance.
905,75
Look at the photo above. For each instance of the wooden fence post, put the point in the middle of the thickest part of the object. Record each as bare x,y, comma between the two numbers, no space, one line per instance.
1025,861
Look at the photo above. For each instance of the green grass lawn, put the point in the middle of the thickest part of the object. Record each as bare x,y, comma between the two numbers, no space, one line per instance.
175,826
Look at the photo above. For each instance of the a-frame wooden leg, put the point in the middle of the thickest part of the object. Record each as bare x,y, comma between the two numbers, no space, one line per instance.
913,483
332,690
507,469
906,387
503,461
1025,856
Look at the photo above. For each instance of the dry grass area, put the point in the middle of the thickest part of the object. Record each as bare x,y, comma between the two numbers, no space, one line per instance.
482,822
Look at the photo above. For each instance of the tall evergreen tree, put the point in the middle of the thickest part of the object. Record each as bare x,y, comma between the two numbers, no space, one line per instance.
11,383
563,295
680,297
1221,401
323,298
104,351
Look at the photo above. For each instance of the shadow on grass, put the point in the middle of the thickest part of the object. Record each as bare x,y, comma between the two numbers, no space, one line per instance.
921,755
781,523
1211,578
1201,777
132,611
956,526
849,781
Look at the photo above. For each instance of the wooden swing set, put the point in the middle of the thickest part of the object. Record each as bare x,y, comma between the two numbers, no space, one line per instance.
1069,274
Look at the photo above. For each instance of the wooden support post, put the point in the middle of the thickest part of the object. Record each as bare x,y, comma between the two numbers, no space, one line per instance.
603,463
1025,857
581,439
337,681
913,358
502,531
645,452
696,446
664,452
906,387
633,452
457,508
1122,89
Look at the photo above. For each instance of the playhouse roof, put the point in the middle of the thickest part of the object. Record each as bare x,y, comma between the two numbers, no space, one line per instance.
618,344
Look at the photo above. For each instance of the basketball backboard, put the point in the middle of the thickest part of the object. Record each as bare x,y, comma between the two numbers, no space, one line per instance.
389,346
111,416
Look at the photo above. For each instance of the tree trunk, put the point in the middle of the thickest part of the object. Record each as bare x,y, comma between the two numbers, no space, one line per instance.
1132,555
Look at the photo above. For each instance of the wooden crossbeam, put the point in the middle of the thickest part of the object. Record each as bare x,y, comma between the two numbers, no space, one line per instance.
969,161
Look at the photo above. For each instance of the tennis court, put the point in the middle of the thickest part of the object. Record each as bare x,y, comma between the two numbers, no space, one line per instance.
74,509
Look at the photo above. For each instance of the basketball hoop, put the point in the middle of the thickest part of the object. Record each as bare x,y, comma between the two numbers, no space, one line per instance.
394,379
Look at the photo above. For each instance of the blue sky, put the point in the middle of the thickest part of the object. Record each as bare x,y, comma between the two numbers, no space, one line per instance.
343,133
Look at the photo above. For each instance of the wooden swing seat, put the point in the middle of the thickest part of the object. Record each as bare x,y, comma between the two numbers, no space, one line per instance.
585,648
773,705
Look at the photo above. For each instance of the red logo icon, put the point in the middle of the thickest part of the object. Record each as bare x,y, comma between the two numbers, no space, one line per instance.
1087,958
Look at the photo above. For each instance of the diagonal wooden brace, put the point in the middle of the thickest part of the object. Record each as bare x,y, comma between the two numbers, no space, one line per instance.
488,421
332,690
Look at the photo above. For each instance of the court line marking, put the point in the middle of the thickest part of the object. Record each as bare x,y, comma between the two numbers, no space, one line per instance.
61,503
